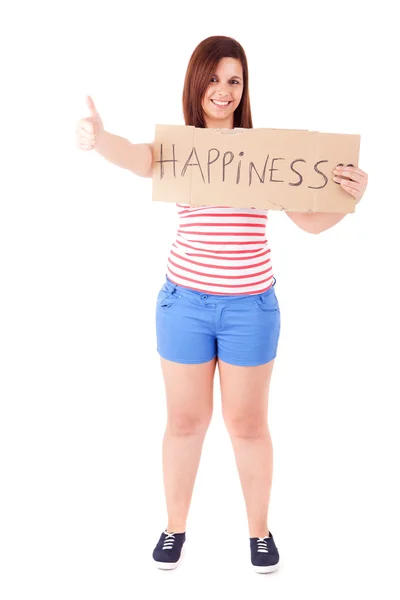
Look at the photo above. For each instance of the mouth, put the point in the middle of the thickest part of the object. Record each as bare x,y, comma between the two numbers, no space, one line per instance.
220,103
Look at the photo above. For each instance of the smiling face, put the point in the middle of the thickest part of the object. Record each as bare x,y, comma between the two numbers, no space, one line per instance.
223,94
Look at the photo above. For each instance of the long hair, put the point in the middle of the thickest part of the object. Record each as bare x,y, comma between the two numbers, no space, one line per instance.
201,68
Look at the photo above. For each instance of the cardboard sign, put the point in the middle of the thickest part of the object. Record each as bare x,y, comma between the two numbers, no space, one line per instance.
276,169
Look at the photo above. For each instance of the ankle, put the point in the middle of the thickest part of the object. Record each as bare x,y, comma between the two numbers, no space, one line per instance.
175,528
260,532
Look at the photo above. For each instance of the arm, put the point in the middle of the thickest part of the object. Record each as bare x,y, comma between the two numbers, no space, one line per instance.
353,180
137,158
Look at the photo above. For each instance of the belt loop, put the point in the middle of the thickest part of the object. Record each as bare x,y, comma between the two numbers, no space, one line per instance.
274,282
171,284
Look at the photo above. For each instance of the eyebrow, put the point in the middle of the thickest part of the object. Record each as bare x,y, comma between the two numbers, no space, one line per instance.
233,77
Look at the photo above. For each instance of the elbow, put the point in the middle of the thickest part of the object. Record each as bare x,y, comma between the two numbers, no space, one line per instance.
323,224
314,230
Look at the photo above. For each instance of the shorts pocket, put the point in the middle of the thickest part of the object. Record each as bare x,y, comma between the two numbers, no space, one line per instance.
166,298
267,302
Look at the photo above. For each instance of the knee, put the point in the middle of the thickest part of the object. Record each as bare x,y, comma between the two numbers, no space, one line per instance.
182,424
246,426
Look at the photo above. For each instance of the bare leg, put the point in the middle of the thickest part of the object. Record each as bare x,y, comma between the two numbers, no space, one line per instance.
189,391
244,392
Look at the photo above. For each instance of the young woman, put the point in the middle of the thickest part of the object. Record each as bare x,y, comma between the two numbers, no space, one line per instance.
217,307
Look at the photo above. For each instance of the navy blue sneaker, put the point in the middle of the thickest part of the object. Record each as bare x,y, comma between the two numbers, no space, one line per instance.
264,554
167,553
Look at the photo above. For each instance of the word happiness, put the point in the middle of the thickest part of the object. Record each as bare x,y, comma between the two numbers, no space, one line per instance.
224,166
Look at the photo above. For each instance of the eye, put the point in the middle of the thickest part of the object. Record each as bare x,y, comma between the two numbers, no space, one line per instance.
235,81
213,79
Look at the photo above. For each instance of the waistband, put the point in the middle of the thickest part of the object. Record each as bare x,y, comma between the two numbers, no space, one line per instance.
171,287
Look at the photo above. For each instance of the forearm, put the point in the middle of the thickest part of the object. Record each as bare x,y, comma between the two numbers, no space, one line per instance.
119,151
315,222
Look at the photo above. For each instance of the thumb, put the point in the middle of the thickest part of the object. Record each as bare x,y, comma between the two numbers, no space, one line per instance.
91,106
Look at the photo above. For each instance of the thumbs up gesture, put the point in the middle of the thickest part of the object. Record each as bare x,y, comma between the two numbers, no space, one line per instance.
90,129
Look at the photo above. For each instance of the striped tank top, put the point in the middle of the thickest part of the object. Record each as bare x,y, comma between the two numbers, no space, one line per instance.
221,250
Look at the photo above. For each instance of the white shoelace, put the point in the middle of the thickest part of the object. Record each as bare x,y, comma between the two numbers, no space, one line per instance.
169,541
262,544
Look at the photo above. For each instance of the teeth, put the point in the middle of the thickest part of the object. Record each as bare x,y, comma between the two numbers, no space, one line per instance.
220,103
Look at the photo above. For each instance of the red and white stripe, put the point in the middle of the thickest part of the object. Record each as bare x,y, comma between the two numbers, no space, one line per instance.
221,250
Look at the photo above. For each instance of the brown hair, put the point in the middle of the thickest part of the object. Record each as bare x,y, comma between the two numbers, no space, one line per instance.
201,68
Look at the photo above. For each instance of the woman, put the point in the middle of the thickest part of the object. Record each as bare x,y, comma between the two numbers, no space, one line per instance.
217,307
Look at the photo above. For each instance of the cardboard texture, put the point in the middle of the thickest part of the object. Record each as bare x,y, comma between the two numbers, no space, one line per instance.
273,169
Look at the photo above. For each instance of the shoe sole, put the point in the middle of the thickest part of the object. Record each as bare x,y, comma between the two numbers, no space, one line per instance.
166,566
169,566
268,569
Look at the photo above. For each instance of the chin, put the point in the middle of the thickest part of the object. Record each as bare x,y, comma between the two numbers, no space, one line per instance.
219,117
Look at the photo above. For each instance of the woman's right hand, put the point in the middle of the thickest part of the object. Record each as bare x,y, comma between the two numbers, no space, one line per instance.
89,131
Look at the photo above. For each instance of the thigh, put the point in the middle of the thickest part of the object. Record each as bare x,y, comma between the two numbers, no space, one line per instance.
249,330
185,332
244,394
189,392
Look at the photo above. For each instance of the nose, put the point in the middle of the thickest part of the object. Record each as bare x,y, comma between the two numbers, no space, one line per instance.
222,90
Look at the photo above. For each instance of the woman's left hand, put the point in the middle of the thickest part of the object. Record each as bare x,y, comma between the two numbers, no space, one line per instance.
356,181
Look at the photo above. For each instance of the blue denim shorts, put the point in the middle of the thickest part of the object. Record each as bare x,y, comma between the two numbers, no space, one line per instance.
193,327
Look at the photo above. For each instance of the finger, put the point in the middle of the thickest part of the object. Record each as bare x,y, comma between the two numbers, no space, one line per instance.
362,173
83,132
351,184
83,138
351,169
350,173
91,106
87,128
353,191
341,180
86,125
87,139
86,146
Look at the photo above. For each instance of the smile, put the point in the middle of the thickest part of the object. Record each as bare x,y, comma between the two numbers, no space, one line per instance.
220,103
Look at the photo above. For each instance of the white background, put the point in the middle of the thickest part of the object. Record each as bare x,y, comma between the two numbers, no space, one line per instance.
83,253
